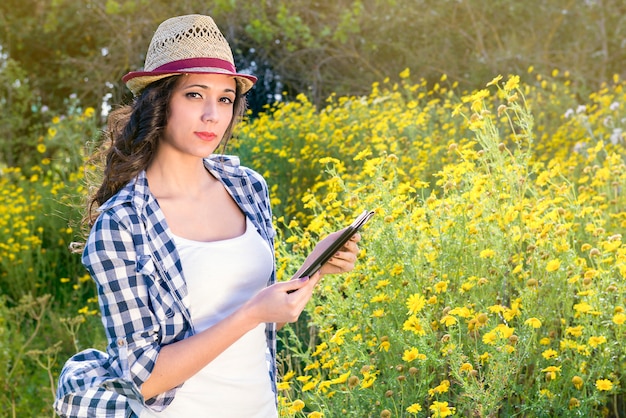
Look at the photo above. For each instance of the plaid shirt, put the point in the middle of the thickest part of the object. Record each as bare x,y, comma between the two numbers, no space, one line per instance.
143,298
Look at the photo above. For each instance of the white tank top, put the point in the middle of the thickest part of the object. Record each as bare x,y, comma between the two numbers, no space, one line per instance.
221,276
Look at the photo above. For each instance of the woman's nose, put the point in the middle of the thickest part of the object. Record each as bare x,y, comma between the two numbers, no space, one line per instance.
209,113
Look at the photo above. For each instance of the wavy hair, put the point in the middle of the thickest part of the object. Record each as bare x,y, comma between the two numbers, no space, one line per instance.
132,137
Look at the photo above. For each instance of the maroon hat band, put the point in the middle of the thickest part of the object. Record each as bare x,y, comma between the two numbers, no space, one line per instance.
189,63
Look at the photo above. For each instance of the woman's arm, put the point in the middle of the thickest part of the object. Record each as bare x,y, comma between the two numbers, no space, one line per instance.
179,361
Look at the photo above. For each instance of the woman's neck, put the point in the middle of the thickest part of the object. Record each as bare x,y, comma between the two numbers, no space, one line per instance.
178,177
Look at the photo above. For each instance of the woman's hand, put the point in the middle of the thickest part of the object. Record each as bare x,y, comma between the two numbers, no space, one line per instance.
344,260
282,302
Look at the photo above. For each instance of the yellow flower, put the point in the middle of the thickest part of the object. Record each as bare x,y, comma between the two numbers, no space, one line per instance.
577,381
368,381
89,112
396,270
619,318
319,348
466,367
414,408
441,409
441,388
415,303
495,81
441,287
488,253
310,385
378,313
604,384
384,346
512,83
283,385
490,337
338,337
405,73
551,371
549,353
582,307
296,406
381,297
341,379
576,331
413,354
315,414
553,265
596,341
41,148
448,320
414,324
383,283
533,322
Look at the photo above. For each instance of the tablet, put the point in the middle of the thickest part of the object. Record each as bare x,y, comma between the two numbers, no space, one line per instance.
327,247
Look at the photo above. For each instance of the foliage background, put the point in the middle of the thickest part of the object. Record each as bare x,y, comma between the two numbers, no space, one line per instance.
349,86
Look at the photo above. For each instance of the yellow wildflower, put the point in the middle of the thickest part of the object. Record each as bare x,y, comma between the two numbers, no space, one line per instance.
413,324
553,265
443,387
596,341
549,353
413,354
619,318
466,367
415,303
296,406
441,287
533,322
577,381
488,253
582,307
441,409
414,408
604,384
512,83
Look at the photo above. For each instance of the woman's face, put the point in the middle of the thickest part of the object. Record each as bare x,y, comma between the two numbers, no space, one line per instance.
200,111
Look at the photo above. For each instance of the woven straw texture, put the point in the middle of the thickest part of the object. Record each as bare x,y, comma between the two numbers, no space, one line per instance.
185,37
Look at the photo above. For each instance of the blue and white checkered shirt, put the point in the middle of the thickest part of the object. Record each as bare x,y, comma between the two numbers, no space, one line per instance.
143,296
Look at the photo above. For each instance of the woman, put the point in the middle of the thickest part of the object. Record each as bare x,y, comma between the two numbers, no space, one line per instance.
182,249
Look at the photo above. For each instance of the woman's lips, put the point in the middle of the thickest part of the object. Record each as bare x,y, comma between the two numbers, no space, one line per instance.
206,136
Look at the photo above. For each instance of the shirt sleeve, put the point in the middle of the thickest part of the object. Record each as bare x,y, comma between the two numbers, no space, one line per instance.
123,278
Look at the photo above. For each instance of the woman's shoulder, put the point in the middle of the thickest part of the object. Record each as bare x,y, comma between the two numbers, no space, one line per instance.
226,166
126,206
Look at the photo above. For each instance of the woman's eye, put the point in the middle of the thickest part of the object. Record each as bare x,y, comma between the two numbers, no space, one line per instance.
227,100
194,95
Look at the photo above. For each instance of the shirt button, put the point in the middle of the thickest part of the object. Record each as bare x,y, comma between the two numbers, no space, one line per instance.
120,342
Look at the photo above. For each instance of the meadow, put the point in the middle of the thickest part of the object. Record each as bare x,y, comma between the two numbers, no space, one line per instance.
490,283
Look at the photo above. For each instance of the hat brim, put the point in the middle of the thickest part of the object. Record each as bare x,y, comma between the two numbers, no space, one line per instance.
136,81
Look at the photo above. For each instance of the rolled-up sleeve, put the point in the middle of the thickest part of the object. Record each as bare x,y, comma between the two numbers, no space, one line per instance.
123,278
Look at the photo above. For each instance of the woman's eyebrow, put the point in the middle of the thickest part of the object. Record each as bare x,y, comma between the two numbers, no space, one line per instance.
205,87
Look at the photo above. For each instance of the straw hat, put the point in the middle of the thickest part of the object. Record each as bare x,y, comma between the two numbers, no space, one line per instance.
184,45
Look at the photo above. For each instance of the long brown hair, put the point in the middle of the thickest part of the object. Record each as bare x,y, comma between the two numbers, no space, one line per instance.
132,137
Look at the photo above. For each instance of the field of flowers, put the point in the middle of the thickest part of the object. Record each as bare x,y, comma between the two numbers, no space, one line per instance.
491,280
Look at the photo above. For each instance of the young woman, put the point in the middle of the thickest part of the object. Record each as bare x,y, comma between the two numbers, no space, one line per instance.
182,249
